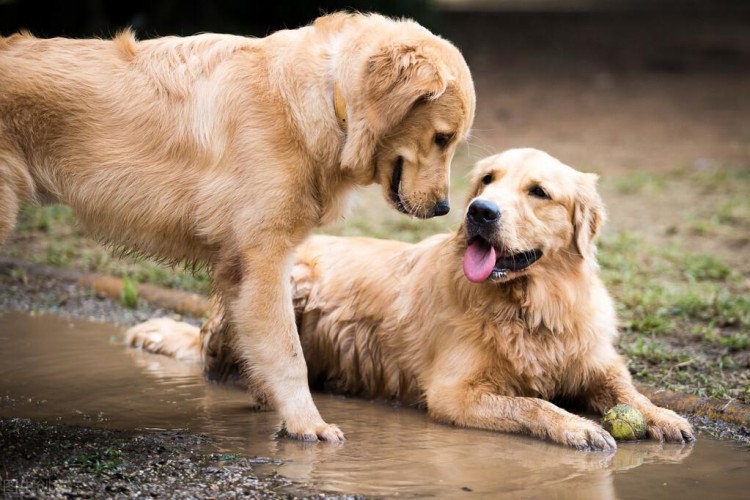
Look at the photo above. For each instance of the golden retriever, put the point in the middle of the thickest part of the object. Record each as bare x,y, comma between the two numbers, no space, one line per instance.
229,150
484,326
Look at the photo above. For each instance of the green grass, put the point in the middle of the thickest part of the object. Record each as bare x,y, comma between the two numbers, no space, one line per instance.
49,235
99,462
640,182
723,180
685,317
730,188
129,297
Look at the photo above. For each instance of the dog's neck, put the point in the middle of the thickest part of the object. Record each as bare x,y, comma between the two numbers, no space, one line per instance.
550,304
542,303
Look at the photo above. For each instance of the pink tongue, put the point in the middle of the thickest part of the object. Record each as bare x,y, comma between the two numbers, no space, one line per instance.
479,260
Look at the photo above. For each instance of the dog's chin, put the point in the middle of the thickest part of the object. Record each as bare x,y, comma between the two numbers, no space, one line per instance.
509,264
395,197
404,207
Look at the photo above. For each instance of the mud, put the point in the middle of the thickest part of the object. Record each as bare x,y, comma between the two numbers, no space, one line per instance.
53,460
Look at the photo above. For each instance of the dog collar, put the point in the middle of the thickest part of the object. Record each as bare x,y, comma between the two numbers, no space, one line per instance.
339,106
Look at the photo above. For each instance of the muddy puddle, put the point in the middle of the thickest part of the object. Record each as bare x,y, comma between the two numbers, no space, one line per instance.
80,373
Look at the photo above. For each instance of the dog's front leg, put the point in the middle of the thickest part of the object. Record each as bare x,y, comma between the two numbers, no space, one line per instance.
469,406
614,386
269,347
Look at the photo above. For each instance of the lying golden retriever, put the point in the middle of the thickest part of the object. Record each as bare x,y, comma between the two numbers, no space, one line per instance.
483,326
229,150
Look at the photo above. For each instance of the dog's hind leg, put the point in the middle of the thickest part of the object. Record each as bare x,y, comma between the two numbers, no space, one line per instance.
16,187
220,360
166,336
8,209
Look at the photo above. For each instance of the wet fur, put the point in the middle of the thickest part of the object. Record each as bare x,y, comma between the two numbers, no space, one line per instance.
393,320
226,150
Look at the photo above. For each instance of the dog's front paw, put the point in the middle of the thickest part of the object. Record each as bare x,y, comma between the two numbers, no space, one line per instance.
166,336
322,432
585,435
666,425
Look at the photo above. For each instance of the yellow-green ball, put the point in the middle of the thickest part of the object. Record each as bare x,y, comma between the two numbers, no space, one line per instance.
625,423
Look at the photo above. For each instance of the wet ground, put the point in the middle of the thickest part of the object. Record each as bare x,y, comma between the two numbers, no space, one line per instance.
72,372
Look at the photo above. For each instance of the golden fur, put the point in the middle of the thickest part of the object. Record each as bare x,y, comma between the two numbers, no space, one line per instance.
227,150
394,320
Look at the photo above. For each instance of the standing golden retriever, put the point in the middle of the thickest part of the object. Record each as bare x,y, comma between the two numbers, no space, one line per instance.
228,150
484,326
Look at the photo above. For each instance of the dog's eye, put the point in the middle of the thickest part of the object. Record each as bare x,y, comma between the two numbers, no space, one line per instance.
442,140
539,192
487,179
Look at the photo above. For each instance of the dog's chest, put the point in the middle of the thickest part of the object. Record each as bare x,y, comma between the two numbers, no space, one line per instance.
532,364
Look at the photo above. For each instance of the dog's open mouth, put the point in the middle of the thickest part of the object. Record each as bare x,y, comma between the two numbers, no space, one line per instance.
395,188
482,261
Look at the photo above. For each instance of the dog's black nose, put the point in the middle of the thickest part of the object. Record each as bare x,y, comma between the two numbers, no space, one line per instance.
483,212
441,208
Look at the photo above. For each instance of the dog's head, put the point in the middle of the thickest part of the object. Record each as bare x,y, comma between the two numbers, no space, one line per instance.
410,105
528,213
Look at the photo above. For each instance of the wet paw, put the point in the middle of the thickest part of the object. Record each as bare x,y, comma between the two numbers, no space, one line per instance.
587,436
665,425
331,433
321,432
165,336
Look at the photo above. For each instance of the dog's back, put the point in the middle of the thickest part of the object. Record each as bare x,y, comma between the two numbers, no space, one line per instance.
122,131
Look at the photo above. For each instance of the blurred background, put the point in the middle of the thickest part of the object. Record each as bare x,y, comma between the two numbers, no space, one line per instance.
653,95
641,91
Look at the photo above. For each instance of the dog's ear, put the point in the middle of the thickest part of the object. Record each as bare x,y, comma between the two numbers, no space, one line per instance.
588,216
395,78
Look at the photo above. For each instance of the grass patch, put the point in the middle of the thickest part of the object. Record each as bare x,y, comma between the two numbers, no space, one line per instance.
640,182
49,235
99,462
730,191
702,267
685,317
129,296
723,180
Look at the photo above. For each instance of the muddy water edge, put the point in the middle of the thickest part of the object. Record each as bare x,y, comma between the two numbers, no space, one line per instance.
82,414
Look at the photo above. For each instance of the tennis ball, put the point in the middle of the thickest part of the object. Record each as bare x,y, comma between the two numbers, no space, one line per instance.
625,423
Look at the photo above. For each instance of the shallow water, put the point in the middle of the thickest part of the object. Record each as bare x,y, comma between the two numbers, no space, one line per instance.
80,373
